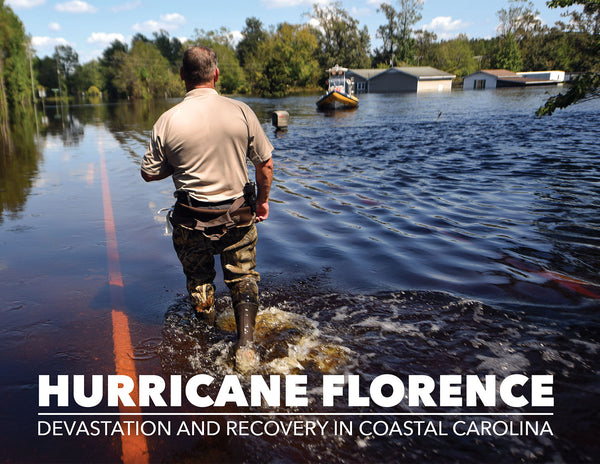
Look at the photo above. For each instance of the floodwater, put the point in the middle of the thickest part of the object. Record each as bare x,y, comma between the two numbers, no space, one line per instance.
419,234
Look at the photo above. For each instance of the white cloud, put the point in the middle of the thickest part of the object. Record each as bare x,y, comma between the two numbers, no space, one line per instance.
445,24
54,26
45,45
236,37
126,6
48,41
147,26
359,12
75,6
314,22
88,56
24,4
173,18
272,4
168,22
445,27
105,38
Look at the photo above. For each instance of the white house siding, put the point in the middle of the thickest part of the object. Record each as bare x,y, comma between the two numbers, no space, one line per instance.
469,81
555,76
437,85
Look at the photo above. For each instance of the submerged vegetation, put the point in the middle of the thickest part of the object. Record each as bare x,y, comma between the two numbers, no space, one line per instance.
277,60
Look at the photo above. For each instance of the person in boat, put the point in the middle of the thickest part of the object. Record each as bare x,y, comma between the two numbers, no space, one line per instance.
203,143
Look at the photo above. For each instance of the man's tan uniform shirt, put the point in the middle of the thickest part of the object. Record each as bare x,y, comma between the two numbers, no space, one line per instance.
204,142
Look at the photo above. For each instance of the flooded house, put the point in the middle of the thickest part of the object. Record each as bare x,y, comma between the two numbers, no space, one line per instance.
401,79
496,78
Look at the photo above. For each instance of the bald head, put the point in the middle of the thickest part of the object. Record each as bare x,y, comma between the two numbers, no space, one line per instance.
199,66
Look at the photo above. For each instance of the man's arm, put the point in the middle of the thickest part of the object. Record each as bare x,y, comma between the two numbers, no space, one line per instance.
149,177
264,178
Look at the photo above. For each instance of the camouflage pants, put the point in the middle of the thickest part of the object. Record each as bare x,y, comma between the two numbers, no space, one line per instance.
237,249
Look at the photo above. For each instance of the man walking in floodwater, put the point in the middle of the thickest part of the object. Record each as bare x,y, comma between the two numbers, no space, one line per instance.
204,142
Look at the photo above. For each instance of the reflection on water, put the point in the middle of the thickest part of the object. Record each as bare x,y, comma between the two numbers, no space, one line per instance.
429,234
19,158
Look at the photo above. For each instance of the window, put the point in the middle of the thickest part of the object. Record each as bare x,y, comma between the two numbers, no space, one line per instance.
479,84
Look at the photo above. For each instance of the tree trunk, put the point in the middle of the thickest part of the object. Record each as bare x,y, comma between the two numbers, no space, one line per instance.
4,121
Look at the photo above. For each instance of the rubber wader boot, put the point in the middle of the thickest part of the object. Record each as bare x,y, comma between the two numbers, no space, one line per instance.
245,319
245,307
203,297
246,357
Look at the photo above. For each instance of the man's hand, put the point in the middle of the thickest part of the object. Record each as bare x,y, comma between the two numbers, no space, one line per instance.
264,177
262,211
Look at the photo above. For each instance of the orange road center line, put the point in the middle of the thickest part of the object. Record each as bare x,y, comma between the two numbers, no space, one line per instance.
134,447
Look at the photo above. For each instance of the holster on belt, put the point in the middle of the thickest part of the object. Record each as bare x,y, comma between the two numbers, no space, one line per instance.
212,222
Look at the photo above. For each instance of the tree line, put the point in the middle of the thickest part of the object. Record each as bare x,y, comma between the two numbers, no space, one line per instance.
274,61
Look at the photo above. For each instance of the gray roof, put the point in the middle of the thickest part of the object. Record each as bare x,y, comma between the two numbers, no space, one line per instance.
367,73
509,76
420,72
425,72
499,73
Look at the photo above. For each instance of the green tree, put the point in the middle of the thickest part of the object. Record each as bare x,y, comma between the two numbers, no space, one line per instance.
15,77
565,3
340,41
45,69
425,46
67,60
296,47
112,59
276,79
253,35
397,33
588,20
587,86
508,55
520,19
408,15
483,51
170,47
231,79
285,60
139,37
388,33
85,76
456,56
143,72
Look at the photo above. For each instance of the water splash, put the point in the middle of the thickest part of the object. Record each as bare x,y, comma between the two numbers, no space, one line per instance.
400,333
288,342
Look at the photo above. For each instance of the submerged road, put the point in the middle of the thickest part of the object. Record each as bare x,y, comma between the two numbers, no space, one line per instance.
134,446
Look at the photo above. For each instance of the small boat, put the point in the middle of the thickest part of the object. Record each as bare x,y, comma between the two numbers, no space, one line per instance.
339,92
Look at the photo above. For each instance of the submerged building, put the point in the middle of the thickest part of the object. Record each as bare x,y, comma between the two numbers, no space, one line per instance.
496,78
401,79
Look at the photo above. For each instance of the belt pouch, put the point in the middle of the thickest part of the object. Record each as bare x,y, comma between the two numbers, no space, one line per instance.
213,222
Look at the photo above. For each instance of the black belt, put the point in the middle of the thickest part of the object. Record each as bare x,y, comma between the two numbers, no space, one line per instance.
185,198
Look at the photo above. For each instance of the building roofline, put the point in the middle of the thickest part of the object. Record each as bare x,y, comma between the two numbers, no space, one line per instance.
419,72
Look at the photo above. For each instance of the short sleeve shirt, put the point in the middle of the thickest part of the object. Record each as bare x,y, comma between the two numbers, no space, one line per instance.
204,142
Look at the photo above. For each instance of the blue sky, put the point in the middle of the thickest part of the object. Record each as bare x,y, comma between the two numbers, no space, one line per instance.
89,26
